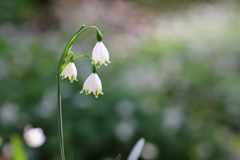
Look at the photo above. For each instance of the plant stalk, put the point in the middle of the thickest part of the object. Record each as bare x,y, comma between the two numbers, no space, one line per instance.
60,124
64,57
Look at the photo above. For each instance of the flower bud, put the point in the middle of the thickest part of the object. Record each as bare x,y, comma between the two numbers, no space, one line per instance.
99,36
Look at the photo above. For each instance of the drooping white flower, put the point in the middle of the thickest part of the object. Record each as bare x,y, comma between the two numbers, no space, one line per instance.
100,54
137,149
70,71
92,84
34,137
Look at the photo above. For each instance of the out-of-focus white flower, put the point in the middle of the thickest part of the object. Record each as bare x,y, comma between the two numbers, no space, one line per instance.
34,137
137,149
100,54
150,151
70,71
92,84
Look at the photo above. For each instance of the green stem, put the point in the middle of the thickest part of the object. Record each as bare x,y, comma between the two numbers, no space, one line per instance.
60,125
83,56
72,60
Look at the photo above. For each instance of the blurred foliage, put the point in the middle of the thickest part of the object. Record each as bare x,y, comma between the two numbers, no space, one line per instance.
18,151
118,157
174,81
17,11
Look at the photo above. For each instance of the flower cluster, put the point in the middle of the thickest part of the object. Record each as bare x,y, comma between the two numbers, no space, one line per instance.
93,83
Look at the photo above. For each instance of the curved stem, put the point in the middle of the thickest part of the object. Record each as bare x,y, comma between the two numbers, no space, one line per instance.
72,60
60,125
65,54
83,56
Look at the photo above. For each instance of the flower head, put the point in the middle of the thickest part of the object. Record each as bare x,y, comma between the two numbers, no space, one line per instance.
92,84
70,71
100,54
34,136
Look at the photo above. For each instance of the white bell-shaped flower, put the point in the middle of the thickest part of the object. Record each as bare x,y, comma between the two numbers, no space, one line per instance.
34,137
70,71
92,84
100,54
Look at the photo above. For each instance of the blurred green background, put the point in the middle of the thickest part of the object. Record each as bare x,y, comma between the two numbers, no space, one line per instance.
174,78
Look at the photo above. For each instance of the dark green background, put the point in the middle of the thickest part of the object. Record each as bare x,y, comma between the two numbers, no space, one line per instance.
174,77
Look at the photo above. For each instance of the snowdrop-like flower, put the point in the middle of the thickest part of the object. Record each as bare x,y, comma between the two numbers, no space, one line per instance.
92,84
34,137
70,71
100,54
137,149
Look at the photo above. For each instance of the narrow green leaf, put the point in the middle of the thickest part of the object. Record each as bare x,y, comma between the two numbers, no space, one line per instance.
18,150
118,157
